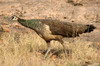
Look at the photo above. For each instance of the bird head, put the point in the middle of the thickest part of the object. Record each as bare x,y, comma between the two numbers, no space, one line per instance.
14,17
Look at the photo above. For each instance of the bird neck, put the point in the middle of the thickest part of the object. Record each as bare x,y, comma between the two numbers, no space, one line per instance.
21,20
34,23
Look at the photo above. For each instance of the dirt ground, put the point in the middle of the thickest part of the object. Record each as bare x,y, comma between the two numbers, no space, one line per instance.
21,46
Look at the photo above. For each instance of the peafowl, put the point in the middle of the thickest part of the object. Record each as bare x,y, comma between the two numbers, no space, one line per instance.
54,29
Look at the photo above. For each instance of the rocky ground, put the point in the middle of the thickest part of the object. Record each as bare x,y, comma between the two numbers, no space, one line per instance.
21,46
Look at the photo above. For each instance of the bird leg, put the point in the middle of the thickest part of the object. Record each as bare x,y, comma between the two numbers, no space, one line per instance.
51,37
48,50
54,37
64,48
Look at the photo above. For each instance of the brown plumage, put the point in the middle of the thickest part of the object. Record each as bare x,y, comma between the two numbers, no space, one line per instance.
55,29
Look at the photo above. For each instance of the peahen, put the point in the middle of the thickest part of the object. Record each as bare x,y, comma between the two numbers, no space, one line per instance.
54,29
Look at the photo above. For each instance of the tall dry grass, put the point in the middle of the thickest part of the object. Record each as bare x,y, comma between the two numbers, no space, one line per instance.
23,49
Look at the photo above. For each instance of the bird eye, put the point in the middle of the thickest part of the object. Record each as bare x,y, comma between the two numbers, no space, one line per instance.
12,17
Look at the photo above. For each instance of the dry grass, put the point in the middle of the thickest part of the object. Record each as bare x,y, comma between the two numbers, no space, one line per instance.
23,49
18,48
